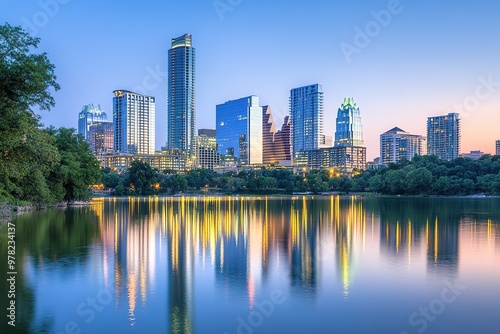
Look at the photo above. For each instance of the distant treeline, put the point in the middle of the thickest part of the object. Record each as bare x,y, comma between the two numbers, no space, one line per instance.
424,175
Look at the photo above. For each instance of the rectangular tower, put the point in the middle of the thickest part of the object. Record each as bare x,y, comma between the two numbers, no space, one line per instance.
181,110
443,136
306,112
134,121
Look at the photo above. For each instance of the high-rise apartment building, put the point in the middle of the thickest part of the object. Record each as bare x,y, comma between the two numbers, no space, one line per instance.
443,136
397,144
276,144
101,137
349,130
181,110
134,122
306,111
89,115
497,147
239,129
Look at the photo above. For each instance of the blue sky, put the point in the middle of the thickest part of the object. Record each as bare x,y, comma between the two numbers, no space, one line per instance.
421,58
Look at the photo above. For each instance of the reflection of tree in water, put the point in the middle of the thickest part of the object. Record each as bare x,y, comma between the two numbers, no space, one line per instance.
48,238
407,222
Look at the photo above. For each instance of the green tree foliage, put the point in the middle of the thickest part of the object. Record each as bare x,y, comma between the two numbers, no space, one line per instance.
142,178
39,166
78,168
431,176
25,82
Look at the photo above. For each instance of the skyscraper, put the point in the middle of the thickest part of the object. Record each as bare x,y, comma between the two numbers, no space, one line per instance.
89,115
306,111
349,130
239,129
181,110
134,118
443,136
497,146
397,144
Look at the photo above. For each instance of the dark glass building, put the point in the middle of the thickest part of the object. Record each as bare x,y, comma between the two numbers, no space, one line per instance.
239,130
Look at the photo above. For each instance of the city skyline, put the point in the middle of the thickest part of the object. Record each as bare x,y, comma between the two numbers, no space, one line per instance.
398,75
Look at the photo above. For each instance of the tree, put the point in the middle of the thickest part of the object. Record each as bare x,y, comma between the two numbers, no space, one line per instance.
26,154
78,167
418,181
142,178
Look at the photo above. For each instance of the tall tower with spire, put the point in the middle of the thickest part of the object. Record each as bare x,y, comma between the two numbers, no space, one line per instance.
349,131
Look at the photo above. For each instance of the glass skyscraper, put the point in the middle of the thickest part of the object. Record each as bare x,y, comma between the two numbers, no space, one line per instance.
306,112
89,115
443,136
181,110
349,131
239,129
134,119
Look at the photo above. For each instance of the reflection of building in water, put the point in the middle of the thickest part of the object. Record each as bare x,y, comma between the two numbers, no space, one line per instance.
442,244
302,237
131,236
181,228
349,219
398,238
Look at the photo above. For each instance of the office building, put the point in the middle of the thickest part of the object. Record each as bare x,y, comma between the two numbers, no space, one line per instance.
397,144
101,137
207,156
349,130
276,144
443,136
306,112
181,110
134,122
497,147
239,130
89,115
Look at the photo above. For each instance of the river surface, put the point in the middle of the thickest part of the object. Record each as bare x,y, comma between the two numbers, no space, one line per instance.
257,265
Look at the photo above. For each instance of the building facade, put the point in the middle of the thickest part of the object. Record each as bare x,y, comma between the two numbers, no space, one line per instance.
239,130
181,110
349,130
397,144
345,160
171,160
276,144
207,156
101,137
443,136
89,115
306,112
134,123
497,147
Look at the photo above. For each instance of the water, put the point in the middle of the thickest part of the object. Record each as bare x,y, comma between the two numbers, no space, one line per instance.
258,265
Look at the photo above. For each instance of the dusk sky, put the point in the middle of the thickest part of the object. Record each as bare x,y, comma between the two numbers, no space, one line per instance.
424,58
